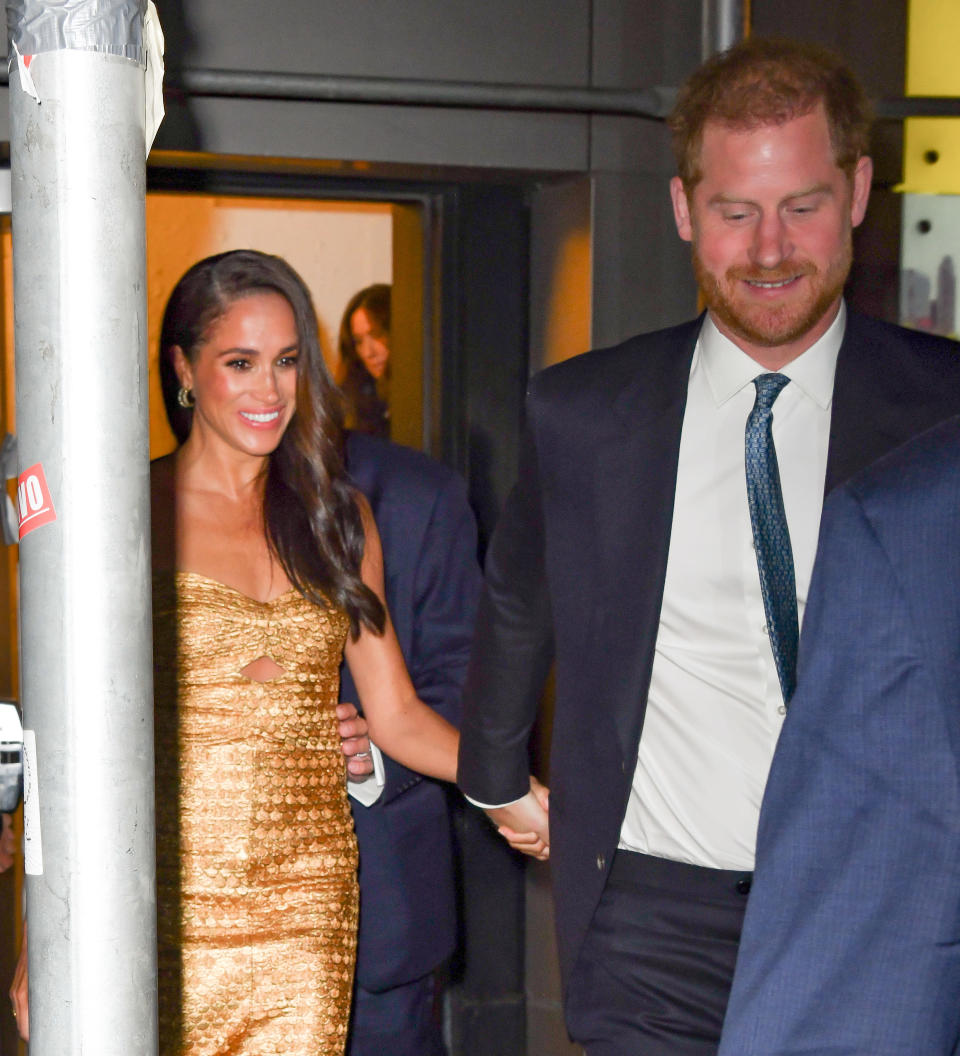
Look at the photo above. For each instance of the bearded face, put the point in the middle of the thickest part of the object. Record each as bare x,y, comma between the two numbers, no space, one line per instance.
770,224
774,306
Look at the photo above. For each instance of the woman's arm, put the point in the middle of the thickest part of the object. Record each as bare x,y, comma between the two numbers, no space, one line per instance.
400,723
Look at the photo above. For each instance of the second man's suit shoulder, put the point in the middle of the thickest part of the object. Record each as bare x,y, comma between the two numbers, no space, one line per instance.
918,473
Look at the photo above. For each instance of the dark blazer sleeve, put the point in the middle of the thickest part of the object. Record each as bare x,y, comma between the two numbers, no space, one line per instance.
851,943
407,894
445,590
512,649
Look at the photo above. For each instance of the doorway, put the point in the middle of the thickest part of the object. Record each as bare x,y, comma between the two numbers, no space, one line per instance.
338,247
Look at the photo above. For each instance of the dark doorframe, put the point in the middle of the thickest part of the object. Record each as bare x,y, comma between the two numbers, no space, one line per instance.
477,277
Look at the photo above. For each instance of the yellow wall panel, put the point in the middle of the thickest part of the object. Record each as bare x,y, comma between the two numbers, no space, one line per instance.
926,139
932,34
931,154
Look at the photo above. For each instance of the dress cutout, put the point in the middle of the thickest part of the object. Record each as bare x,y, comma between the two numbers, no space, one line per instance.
256,855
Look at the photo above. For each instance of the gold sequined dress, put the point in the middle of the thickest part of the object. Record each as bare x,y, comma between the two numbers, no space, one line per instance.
256,855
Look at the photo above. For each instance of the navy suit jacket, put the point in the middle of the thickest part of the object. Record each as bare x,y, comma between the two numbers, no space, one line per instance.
851,945
576,568
432,580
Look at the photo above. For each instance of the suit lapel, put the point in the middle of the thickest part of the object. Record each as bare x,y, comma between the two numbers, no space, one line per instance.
635,483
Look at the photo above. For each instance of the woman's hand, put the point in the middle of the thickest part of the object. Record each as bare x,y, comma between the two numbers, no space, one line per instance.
525,824
354,742
18,990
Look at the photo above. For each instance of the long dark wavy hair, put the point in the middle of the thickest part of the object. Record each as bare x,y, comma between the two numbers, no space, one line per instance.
311,518
368,410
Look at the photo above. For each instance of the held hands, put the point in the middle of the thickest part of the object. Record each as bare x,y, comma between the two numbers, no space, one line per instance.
525,824
354,742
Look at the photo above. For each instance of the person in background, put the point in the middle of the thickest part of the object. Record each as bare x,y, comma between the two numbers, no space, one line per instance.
364,371
659,545
407,895
851,944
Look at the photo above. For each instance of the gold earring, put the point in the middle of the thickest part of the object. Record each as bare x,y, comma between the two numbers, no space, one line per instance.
186,398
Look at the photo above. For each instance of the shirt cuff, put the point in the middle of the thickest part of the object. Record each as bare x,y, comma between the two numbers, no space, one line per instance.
490,806
367,791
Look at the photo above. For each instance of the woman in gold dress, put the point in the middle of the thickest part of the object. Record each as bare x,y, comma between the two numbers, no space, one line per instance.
267,569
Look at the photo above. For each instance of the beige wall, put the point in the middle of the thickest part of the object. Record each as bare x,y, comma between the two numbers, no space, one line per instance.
338,247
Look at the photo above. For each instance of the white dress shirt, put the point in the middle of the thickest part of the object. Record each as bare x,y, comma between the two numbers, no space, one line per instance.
715,708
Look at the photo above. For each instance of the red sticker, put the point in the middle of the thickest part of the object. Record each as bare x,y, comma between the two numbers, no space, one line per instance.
33,500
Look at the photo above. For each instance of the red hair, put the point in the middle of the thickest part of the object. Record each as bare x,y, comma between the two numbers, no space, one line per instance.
769,81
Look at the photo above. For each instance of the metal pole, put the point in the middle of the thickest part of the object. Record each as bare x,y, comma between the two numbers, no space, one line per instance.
652,102
722,25
80,334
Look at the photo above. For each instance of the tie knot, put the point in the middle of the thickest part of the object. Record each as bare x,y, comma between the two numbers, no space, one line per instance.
769,387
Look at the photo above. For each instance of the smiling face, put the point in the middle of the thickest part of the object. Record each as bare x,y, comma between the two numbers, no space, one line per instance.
370,343
244,375
770,224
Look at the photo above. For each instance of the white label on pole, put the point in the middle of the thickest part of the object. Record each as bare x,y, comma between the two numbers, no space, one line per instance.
26,78
32,844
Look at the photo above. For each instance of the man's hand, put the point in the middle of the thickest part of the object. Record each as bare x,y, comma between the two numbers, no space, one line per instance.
18,990
355,744
525,824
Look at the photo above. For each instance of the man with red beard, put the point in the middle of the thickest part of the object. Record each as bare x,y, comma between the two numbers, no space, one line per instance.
659,542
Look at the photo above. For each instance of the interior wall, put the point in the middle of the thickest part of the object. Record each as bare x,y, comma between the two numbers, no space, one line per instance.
532,42
410,344
560,271
337,247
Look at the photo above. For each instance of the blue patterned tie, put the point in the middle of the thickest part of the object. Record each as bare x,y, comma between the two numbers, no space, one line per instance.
771,537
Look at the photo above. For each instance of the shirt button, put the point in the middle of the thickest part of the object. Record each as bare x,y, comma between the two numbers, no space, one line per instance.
601,862
765,629
782,710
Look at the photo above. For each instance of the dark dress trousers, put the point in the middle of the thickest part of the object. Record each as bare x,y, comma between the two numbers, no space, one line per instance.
851,944
432,579
576,568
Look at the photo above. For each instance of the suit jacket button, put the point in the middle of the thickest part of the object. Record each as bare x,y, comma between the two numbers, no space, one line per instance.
601,862
743,885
